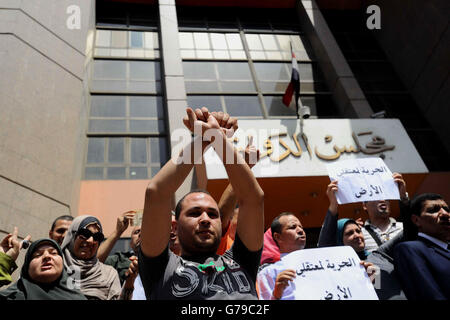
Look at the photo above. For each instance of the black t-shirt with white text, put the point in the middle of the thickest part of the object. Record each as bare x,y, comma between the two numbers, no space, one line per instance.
230,276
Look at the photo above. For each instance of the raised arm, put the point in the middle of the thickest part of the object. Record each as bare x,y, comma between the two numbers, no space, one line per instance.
228,200
250,197
156,219
409,228
9,251
327,236
123,221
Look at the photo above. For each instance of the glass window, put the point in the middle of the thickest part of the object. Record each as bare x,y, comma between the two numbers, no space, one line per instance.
225,46
284,41
199,70
126,44
122,152
116,173
243,106
138,173
233,74
119,39
268,41
119,53
234,41
146,107
158,150
204,54
218,41
253,41
138,150
109,69
234,70
275,106
202,86
145,70
258,55
186,40
238,55
271,71
273,55
221,54
151,40
116,150
103,38
305,70
147,126
136,39
93,173
297,43
102,52
187,54
211,102
107,126
108,106
96,150
201,40
112,76
237,86
136,53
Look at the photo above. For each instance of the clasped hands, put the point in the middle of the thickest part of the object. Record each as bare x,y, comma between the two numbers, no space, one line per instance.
199,121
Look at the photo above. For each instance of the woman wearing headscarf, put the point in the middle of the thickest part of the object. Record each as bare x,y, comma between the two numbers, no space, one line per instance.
342,232
94,279
42,276
349,234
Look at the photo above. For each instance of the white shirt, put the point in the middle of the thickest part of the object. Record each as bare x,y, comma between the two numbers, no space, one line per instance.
392,230
266,281
138,292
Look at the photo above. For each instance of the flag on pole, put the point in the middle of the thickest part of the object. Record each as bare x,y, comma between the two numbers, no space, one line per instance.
294,86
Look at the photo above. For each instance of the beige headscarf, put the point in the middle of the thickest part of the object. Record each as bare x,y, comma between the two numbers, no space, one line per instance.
93,278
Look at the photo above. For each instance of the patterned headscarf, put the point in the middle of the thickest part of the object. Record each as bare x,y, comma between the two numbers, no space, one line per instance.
95,279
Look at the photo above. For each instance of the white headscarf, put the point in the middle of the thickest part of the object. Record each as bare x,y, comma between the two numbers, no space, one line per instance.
93,278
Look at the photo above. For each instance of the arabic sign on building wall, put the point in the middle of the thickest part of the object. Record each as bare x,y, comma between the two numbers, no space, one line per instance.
288,151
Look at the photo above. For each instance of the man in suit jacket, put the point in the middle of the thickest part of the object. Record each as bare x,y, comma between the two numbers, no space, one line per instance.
423,266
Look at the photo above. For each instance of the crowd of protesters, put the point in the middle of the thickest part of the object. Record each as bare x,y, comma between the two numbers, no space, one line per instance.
203,250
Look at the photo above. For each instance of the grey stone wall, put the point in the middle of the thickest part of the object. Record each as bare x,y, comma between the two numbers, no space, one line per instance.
42,111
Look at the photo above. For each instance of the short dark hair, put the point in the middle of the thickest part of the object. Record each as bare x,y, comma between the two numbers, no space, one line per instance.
417,203
65,217
180,202
276,225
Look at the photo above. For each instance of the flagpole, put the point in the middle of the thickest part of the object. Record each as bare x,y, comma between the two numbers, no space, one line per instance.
295,95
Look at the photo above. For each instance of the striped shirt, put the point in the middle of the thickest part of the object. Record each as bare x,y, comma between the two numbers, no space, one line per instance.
391,231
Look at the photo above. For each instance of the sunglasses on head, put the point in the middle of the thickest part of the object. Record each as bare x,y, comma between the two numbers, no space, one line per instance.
86,234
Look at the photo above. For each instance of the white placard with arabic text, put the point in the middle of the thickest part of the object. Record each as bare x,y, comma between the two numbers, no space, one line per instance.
332,273
366,179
